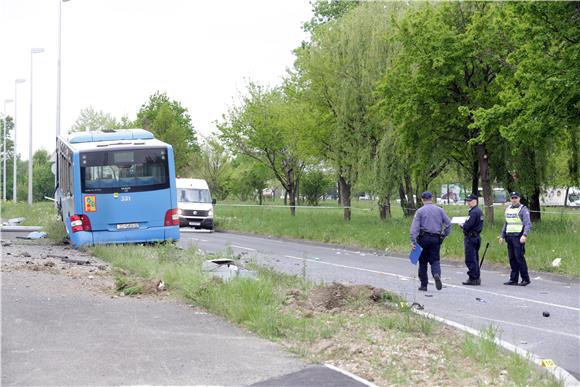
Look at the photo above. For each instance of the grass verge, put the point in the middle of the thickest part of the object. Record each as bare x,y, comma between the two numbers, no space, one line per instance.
556,236
39,214
358,328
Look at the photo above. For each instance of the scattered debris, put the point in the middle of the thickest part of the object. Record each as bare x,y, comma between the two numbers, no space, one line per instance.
556,262
544,292
77,261
34,235
15,221
417,306
481,300
538,278
226,269
546,314
428,295
523,342
6,243
25,254
161,286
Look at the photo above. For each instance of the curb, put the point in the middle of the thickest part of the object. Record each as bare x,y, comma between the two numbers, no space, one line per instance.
559,372
20,228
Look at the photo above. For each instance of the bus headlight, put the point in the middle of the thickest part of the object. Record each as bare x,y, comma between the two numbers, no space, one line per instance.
210,213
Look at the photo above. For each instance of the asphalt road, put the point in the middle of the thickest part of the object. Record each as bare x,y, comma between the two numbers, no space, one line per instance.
516,312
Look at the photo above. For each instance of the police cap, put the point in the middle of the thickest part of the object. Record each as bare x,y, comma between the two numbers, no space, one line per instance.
515,195
471,197
426,195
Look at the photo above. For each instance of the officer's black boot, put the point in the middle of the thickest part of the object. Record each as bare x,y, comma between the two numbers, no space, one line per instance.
472,282
438,283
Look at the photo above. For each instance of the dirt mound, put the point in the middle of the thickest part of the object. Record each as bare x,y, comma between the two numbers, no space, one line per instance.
337,295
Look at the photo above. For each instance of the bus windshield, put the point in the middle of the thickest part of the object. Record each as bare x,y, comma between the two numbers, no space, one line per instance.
190,195
127,170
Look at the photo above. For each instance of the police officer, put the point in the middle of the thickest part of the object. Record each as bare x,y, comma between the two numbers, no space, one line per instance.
515,232
471,240
430,226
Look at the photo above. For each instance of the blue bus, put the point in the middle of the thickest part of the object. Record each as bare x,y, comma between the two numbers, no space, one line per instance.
116,186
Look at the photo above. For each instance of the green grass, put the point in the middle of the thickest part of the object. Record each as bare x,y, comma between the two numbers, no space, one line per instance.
556,236
39,214
262,306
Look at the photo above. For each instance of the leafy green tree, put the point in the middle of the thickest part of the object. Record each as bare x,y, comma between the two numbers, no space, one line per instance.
314,185
250,178
325,11
213,163
91,119
9,151
265,128
339,68
171,123
537,111
42,176
446,69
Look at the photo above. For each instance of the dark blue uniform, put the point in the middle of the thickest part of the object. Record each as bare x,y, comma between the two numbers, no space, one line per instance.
472,242
428,229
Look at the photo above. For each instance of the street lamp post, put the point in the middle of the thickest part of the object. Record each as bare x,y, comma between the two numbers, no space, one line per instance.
58,67
14,156
6,101
32,52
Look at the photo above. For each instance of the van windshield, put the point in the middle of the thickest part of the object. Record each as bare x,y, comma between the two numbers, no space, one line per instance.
192,195
127,170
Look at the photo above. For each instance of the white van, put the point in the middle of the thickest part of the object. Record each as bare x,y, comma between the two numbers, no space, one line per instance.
194,204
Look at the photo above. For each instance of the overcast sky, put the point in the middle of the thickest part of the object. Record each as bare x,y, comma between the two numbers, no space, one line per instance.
116,53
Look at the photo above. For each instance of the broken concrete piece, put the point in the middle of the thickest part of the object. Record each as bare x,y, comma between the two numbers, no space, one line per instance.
226,269
15,221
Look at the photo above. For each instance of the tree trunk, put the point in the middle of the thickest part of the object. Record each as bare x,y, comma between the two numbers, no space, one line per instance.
475,178
534,204
403,198
285,197
260,197
535,214
485,182
338,197
345,196
292,192
411,205
566,197
384,207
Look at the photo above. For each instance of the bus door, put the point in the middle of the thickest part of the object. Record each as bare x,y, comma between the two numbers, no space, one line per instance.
125,189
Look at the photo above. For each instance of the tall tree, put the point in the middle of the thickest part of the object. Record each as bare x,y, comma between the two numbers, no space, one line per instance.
91,119
539,100
445,70
170,122
340,66
213,163
42,176
324,11
265,127
8,153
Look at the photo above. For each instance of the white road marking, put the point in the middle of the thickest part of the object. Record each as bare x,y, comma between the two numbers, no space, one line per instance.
198,239
351,375
525,326
447,285
242,247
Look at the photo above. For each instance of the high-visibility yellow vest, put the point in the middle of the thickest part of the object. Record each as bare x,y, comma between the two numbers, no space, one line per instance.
514,224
